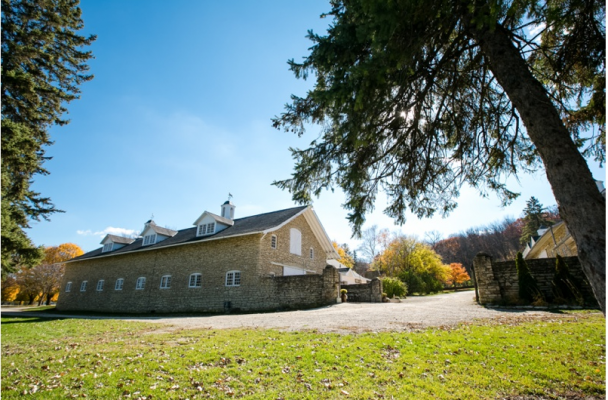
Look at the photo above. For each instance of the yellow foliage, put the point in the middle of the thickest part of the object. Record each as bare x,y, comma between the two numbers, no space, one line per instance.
61,253
344,259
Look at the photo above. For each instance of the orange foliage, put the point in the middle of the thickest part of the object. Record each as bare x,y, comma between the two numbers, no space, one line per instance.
61,253
458,274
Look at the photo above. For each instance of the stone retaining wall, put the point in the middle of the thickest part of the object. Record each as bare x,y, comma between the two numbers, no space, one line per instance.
365,292
497,282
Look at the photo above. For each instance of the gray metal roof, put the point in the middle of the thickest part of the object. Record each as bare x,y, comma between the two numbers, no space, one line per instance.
242,226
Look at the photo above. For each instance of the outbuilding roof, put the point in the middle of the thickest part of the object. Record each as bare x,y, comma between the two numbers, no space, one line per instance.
261,223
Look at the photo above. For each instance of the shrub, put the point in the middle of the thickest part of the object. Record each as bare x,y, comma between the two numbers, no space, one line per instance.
528,289
564,287
343,291
394,287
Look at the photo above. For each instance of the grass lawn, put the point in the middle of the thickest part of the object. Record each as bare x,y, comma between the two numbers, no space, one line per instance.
99,359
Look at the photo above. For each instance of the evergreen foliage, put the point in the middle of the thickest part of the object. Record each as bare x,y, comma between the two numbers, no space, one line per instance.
42,67
535,216
565,288
528,289
417,97
394,287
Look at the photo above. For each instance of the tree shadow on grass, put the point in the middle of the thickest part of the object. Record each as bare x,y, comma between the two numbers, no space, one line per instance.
6,320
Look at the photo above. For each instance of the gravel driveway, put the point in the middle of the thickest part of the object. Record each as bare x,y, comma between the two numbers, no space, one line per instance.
412,313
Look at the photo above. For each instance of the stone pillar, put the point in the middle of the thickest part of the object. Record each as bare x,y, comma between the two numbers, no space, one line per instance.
331,285
375,290
486,282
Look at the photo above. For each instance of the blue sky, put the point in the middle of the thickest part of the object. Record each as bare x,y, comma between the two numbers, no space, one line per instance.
178,116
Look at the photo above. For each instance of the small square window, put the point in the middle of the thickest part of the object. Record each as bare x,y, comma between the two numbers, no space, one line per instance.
100,285
141,283
165,282
196,280
83,286
119,284
68,287
233,278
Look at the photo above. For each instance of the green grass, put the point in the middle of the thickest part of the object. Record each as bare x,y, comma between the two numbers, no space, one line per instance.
49,359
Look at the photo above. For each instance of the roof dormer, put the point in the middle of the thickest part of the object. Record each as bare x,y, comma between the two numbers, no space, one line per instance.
209,223
113,242
153,233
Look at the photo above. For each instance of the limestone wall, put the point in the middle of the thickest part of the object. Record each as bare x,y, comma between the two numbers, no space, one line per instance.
497,282
366,292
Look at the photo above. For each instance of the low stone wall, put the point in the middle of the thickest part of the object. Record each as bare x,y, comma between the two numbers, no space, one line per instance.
365,292
301,291
497,282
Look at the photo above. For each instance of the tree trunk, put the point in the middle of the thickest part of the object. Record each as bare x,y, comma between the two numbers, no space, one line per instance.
580,203
48,298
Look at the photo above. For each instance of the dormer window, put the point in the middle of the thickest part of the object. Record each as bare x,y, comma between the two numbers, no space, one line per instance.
206,229
149,239
107,247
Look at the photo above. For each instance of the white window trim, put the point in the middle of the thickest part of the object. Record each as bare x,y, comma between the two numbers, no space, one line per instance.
68,287
117,286
206,229
149,239
195,276
274,241
107,247
140,284
165,282
83,286
100,284
231,278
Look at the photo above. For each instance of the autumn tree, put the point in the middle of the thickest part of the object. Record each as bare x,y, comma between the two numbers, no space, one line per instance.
345,258
458,275
10,288
414,263
416,98
50,272
42,66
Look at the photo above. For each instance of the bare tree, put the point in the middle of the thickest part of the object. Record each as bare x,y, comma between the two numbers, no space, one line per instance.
432,237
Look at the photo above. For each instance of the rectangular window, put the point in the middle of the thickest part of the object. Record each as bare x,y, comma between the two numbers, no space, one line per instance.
295,241
210,228
233,278
312,253
68,287
83,286
107,247
100,285
165,282
119,283
195,280
202,229
149,239
273,241
141,283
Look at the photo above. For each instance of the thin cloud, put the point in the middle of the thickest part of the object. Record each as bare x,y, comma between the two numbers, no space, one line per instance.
109,230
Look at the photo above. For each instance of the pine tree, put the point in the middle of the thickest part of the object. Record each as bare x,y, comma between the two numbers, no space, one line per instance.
417,97
42,67
534,217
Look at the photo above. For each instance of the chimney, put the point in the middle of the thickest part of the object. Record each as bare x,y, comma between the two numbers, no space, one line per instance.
228,210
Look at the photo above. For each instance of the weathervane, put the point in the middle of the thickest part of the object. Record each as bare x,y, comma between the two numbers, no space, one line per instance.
229,196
